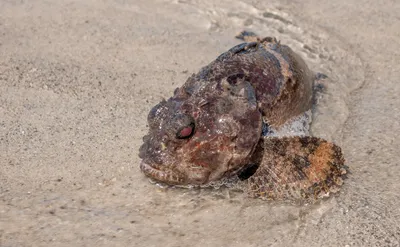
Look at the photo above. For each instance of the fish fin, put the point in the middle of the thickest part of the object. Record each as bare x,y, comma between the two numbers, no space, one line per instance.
297,168
248,36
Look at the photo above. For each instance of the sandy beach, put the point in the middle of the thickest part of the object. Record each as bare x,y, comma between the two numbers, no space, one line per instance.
78,78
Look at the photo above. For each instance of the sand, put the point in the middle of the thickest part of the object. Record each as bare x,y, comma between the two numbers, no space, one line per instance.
77,79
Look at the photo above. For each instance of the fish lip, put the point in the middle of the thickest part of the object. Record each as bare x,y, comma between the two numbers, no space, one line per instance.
169,177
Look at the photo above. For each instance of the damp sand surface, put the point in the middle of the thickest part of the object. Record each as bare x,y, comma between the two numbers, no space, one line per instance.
77,79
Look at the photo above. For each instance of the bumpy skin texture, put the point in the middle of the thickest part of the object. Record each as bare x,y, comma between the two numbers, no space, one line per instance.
281,80
211,128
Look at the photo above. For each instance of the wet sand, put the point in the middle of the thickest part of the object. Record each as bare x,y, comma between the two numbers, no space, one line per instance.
77,79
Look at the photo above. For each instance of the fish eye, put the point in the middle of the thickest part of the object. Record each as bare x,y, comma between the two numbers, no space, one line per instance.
186,131
182,126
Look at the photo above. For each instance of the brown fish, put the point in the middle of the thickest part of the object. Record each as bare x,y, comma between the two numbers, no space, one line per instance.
216,126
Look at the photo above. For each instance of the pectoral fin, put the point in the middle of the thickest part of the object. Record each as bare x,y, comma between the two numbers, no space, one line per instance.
297,168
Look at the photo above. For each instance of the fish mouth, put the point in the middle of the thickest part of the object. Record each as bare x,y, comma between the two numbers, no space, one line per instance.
161,175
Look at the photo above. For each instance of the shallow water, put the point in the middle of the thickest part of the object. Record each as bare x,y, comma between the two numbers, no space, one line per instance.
226,207
75,92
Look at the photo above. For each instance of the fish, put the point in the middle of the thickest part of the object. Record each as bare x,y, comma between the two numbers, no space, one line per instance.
217,126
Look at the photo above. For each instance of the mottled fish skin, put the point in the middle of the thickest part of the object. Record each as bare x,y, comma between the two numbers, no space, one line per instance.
281,79
226,125
211,128
296,168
